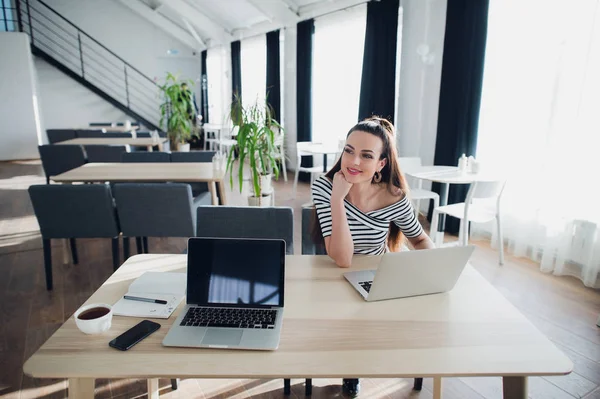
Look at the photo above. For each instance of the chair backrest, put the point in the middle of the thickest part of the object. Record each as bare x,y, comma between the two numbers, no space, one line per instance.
302,147
58,135
193,156
104,153
155,209
142,135
74,211
308,245
90,134
140,156
409,163
57,159
482,190
96,124
247,222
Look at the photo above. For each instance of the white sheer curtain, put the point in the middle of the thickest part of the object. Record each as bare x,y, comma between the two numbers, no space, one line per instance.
540,125
214,77
254,69
337,69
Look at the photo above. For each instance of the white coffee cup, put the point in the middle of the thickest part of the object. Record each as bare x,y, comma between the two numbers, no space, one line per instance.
98,322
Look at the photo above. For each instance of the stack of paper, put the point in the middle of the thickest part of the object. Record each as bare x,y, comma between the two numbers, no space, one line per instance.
165,286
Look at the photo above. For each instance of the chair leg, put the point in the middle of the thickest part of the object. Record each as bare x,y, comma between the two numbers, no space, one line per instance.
433,229
138,244
287,386
125,248
174,383
308,387
418,385
296,179
48,262
146,248
115,253
285,178
461,232
73,245
500,240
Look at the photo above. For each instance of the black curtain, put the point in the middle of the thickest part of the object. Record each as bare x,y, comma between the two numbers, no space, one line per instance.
236,70
304,44
460,91
273,78
204,88
378,83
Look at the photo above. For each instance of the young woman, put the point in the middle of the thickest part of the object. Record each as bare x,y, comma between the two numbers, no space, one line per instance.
362,204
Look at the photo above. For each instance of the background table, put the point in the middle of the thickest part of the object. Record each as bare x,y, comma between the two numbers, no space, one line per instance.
141,142
328,331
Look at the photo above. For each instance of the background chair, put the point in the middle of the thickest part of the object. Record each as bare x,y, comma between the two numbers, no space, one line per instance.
301,151
212,135
58,135
74,211
194,156
280,151
481,205
57,159
416,192
146,157
90,134
104,153
308,220
156,210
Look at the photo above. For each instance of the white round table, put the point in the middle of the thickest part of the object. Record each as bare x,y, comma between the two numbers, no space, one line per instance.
321,149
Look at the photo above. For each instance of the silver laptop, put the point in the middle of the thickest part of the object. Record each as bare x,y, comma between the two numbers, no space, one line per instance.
234,295
412,273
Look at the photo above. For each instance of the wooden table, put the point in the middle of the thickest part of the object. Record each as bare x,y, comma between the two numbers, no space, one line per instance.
329,331
110,128
141,142
185,172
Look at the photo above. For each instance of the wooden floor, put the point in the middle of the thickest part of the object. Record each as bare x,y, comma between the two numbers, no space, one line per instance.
561,307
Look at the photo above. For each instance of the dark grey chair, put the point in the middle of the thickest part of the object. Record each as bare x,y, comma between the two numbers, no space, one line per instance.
308,245
74,211
146,157
156,210
250,222
90,134
58,135
117,135
96,124
247,222
104,153
194,156
57,159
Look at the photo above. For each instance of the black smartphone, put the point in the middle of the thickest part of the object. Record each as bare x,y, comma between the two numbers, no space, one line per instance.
134,335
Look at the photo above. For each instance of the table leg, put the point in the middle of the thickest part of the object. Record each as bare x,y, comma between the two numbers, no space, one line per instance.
444,187
65,251
212,187
221,184
514,387
149,148
324,163
81,388
160,147
437,388
153,388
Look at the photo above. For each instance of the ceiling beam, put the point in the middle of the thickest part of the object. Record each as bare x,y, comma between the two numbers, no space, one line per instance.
163,23
193,32
291,5
276,11
326,7
202,23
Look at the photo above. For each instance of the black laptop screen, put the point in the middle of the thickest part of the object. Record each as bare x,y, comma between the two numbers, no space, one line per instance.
237,272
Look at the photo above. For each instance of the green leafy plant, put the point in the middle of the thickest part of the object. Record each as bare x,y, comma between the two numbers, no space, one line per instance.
176,109
255,142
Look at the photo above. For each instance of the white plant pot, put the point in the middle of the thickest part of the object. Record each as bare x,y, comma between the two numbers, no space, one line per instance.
265,183
183,147
265,201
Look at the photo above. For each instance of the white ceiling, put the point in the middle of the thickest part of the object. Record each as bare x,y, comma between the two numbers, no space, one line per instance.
201,24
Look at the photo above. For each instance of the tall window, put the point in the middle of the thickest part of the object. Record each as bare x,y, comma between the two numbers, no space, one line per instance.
337,69
539,126
254,69
214,72
7,17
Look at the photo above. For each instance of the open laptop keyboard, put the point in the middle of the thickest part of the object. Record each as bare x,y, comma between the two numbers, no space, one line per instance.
366,285
230,317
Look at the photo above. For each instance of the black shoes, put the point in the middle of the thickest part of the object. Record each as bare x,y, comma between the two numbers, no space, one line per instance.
351,386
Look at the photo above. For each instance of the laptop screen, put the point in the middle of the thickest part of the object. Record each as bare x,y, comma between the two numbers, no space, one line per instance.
238,272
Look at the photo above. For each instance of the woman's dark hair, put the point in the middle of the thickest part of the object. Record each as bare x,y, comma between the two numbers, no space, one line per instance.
391,175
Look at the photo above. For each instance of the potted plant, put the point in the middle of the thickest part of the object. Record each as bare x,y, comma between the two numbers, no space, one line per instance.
177,110
255,148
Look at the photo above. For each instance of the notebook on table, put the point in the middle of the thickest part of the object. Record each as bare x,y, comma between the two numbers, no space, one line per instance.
163,286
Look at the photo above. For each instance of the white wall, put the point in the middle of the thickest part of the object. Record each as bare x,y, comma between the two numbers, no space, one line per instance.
20,129
64,103
424,22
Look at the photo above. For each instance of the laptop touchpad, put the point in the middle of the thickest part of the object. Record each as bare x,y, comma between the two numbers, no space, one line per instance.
222,336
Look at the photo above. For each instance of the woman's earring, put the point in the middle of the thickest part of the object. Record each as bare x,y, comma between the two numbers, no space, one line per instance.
377,177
